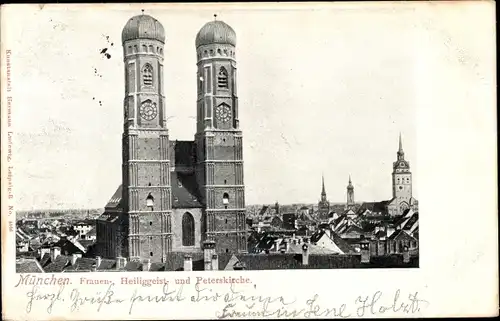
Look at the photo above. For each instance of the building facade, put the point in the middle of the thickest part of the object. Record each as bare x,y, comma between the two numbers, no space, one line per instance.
176,194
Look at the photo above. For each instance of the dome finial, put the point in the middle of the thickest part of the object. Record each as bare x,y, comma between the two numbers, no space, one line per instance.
215,17
142,11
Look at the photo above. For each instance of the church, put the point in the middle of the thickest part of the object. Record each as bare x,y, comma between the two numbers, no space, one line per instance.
177,196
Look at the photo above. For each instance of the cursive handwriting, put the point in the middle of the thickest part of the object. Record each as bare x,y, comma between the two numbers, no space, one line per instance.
371,305
281,309
167,296
231,301
101,298
35,295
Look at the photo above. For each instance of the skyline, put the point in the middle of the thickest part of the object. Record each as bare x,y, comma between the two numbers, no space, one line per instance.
291,135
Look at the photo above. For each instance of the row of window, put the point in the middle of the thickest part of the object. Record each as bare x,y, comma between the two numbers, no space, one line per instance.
144,49
220,52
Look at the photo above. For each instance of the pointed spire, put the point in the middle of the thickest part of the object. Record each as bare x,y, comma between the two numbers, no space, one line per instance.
323,191
349,186
350,179
400,143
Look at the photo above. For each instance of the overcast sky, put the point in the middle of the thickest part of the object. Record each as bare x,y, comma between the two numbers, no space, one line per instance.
320,91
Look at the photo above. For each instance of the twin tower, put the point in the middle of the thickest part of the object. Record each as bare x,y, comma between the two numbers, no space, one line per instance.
177,196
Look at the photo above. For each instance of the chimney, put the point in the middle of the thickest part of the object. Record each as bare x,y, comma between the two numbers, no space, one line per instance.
74,257
365,252
406,255
188,262
215,262
305,254
208,252
146,265
54,253
121,262
283,247
98,261
44,251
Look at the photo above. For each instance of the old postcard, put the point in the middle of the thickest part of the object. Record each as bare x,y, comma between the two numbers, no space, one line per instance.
240,161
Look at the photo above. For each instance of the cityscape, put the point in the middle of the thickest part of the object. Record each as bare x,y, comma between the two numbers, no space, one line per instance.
181,205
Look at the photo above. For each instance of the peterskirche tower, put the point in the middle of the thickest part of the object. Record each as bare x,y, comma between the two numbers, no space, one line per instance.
402,182
350,194
177,196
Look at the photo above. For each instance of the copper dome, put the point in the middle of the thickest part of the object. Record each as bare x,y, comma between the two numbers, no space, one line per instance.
143,27
216,32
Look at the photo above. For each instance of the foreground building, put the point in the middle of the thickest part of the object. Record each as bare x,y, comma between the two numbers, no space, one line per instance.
177,194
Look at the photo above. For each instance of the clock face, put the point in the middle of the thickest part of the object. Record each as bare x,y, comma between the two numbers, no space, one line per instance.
148,110
223,113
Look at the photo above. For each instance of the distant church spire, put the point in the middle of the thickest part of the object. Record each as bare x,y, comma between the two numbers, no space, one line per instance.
401,153
350,194
323,204
323,191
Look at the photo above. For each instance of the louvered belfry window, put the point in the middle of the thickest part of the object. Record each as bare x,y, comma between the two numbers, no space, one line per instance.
147,75
222,78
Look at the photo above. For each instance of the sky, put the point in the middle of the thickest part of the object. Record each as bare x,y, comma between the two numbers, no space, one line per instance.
321,92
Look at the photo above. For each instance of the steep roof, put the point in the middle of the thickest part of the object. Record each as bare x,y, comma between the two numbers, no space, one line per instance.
58,264
185,190
82,264
401,234
115,200
182,153
28,266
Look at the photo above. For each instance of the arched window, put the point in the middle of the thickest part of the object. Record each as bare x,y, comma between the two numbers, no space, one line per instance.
147,75
187,229
222,78
150,202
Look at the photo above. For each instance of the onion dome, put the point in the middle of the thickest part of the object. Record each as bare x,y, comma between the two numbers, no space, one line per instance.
143,27
216,32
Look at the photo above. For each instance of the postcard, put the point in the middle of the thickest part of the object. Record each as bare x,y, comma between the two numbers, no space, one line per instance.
248,160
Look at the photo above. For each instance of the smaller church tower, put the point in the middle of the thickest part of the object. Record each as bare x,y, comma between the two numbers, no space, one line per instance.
323,204
350,194
401,180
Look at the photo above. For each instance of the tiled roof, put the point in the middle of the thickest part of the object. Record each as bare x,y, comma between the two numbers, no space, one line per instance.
92,232
45,259
116,199
413,219
269,261
341,244
109,217
58,265
182,153
263,210
377,207
185,194
82,264
401,235
106,264
86,243
28,266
